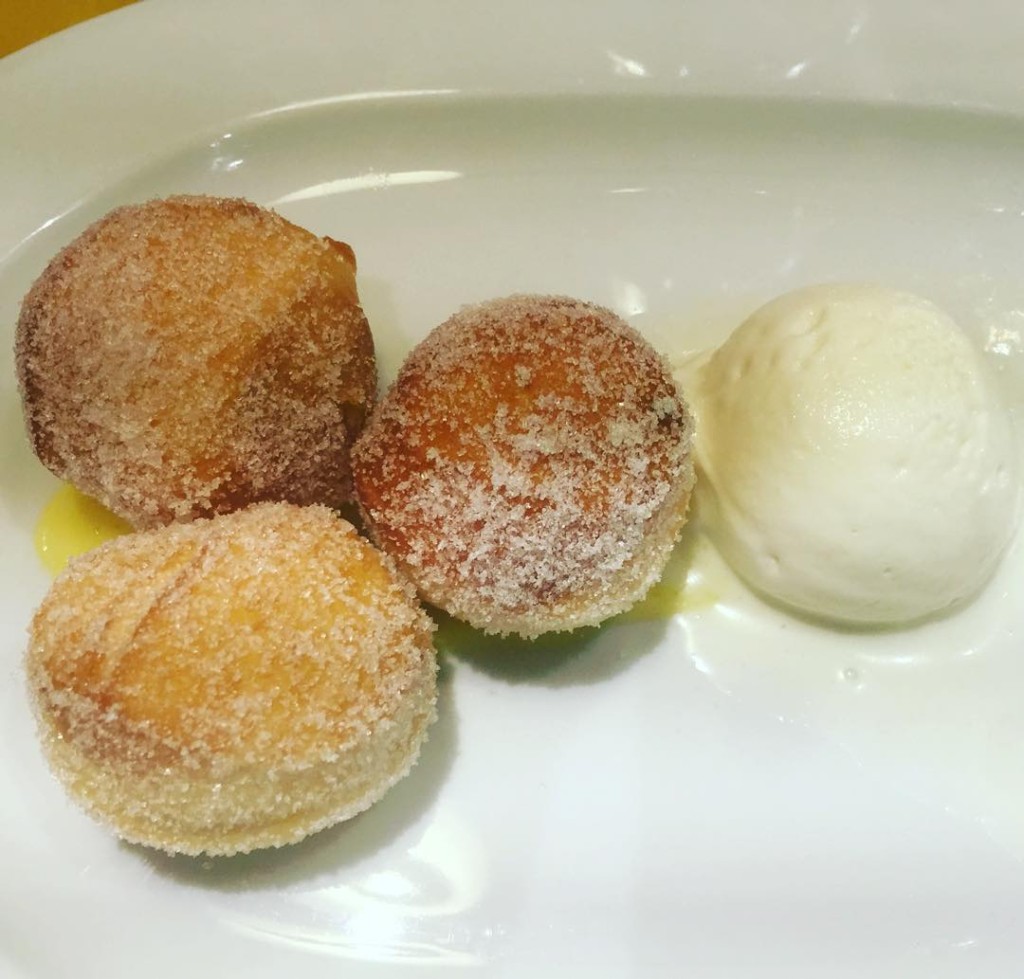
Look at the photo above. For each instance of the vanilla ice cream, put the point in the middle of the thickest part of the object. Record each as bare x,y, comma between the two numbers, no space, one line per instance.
854,460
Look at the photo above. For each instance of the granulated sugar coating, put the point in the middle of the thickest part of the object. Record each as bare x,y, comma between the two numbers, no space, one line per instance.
190,356
530,467
234,683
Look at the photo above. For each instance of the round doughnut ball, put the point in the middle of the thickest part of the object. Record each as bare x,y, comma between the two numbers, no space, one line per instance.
235,683
190,356
530,467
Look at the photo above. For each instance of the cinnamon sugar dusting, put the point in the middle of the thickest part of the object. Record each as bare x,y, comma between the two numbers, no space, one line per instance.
530,468
189,356
220,685
232,683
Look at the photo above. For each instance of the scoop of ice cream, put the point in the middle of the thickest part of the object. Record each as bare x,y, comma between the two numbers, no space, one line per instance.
854,460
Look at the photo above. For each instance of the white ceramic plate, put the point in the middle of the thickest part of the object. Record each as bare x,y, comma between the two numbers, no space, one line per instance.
731,793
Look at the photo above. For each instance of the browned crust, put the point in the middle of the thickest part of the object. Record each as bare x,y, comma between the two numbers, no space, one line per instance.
188,356
530,467
232,683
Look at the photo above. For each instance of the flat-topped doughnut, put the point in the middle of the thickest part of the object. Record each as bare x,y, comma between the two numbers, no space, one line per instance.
189,356
530,468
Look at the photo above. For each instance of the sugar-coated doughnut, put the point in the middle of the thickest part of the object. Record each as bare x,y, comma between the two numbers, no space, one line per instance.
530,467
189,356
233,683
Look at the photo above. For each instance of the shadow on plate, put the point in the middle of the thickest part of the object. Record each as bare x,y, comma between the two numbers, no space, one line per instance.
589,655
340,846
558,660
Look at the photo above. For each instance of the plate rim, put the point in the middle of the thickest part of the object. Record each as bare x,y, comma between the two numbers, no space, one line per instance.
197,65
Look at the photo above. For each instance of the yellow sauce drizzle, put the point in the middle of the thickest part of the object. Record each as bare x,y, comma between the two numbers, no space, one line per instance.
71,524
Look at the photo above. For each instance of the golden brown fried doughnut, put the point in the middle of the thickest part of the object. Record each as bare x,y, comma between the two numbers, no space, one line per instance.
190,356
530,467
235,683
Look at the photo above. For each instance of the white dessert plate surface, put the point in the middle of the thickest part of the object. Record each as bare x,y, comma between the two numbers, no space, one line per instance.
727,792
